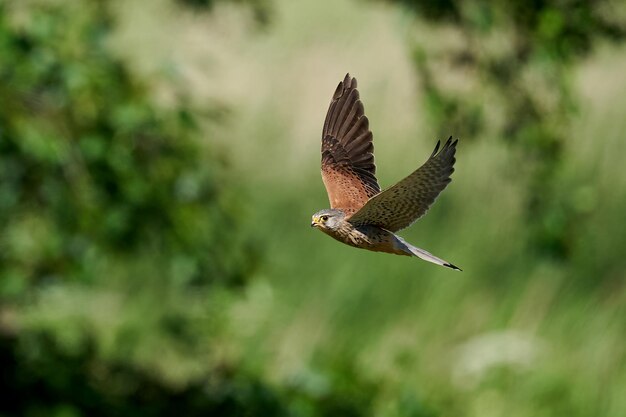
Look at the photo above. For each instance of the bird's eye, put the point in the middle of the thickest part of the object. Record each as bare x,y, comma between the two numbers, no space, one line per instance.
324,218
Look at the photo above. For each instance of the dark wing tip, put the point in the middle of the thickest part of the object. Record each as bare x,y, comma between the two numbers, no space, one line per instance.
436,148
456,268
338,90
449,145
347,84
350,81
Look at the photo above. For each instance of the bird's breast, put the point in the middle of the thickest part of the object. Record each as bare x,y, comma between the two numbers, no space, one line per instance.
365,237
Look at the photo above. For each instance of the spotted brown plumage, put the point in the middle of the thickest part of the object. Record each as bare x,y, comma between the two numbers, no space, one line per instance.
361,215
402,204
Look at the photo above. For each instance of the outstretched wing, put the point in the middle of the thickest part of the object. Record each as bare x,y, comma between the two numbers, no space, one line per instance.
399,206
348,169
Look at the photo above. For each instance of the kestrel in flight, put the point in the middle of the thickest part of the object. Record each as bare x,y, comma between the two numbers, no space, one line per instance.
361,215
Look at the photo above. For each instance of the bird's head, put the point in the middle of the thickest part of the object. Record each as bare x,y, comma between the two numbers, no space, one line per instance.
327,219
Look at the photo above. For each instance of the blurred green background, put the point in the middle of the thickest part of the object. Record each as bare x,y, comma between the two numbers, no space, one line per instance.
159,163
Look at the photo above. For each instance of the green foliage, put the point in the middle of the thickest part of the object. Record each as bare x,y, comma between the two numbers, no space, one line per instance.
91,169
114,215
564,29
334,387
48,379
52,381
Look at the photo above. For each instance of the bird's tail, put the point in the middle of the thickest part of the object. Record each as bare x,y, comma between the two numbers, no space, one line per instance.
421,253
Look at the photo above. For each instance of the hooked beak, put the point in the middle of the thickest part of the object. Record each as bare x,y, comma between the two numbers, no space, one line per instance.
313,224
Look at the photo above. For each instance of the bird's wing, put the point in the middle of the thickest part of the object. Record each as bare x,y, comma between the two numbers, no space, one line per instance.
399,206
348,169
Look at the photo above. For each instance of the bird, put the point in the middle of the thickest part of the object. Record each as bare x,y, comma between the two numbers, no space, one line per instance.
361,215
